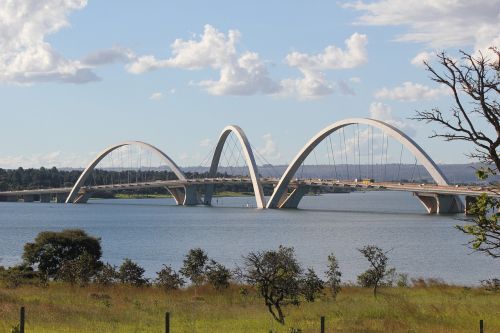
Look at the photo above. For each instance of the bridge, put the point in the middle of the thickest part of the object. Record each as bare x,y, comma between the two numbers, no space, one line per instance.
286,189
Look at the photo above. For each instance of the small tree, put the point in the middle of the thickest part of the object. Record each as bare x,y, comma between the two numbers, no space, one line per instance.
131,273
311,285
276,275
79,270
194,266
168,279
51,250
333,275
107,275
373,277
218,275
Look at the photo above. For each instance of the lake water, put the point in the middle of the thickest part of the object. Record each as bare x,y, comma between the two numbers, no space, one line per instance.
155,232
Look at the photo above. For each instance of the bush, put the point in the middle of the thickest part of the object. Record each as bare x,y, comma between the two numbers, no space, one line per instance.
107,275
194,266
51,250
15,276
218,275
78,271
131,273
168,279
333,275
311,285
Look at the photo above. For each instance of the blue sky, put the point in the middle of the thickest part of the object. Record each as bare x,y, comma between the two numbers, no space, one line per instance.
77,76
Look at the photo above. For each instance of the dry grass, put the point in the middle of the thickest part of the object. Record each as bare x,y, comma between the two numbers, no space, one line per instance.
426,308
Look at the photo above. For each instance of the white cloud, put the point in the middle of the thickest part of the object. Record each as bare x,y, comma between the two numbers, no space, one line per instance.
333,57
410,91
156,96
269,150
422,57
381,111
239,74
438,24
25,55
314,83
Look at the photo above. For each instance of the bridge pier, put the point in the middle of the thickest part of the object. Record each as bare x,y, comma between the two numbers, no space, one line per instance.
82,198
440,203
45,198
28,198
293,199
61,197
192,196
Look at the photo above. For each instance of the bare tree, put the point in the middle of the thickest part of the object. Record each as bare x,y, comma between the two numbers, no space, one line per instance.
474,84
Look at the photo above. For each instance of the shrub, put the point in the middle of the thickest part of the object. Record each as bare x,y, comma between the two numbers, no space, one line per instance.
131,273
107,275
218,275
333,275
78,271
168,279
311,285
373,277
194,266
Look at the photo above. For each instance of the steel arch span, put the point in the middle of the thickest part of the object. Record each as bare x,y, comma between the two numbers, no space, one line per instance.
249,159
73,195
280,192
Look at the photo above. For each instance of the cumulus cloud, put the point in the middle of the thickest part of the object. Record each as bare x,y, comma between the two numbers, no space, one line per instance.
437,24
239,74
422,57
381,111
245,73
410,91
25,55
269,150
314,83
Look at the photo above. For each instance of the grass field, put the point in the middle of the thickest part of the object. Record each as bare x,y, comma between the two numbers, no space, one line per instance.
423,309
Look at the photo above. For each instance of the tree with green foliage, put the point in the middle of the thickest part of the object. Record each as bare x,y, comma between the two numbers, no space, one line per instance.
194,266
333,275
311,285
79,271
168,279
218,275
52,249
107,275
276,275
131,273
374,276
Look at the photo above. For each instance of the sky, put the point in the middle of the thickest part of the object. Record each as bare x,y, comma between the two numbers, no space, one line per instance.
77,76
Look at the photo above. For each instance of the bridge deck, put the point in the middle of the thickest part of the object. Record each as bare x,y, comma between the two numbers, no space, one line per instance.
470,190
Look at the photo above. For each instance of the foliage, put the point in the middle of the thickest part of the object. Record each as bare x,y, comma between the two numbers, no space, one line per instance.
311,285
276,275
491,285
373,277
485,228
131,273
194,266
333,275
79,270
15,276
51,250
218,275
168,279
107,275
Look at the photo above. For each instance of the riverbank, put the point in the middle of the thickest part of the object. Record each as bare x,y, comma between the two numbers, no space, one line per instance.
424,308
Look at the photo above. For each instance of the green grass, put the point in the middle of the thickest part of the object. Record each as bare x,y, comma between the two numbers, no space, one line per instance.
424,309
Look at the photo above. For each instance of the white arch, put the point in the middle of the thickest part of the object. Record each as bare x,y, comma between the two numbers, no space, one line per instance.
395,133
249,159
81,180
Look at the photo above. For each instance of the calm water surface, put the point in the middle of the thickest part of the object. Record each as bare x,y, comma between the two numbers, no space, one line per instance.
154,231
